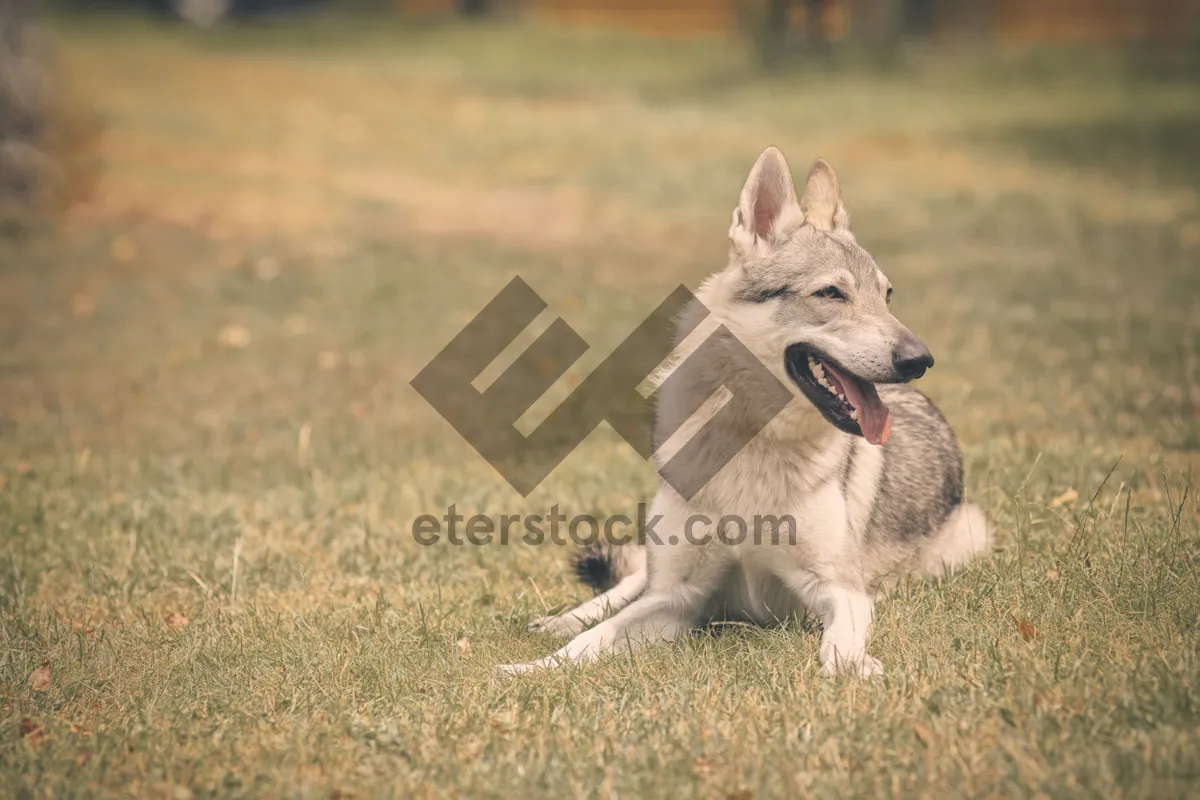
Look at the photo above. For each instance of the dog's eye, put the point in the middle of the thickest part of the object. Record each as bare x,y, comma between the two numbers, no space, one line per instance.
770,294
830,293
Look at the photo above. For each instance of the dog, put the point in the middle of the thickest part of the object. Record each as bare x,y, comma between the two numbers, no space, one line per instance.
863,465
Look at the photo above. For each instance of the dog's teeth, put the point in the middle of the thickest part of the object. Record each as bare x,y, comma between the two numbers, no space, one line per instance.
818,373
854,414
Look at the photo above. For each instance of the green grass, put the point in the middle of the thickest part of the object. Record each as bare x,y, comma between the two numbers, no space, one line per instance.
208,544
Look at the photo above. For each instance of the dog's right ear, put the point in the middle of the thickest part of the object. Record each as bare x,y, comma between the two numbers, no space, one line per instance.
767,208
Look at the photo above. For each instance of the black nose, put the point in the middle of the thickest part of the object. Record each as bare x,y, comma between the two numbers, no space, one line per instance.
911,358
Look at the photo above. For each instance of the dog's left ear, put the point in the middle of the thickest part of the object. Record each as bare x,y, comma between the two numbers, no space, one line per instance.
822,200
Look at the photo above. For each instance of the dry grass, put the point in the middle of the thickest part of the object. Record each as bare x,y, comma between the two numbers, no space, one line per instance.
211,458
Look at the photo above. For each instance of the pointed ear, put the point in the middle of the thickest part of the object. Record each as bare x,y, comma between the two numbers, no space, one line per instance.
767,207
822,200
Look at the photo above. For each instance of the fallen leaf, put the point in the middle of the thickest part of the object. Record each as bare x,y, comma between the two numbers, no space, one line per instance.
267,269
1045,700
924,734
82,305
1069,496
79,626
464,645
31,732
328,360
177,622
124,249
234,336
229,259
1190,233
1025,628
296,324
39,679
304,440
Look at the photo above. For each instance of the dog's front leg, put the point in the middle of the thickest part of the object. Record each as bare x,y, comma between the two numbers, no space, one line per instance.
651,618
572,623
847,624
846,616
683,582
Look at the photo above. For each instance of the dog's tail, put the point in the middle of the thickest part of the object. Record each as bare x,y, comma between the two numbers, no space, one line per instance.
964,536
604,564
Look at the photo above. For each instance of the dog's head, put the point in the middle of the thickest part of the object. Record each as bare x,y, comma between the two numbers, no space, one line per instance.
803,295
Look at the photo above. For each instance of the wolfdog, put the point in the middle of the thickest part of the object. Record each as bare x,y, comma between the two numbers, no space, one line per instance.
865,465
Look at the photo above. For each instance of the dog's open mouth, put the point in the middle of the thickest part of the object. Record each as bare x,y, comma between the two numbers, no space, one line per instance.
847,401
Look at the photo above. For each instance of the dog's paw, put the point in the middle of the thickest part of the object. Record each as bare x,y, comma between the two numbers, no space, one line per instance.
870,667
563,625
860,665
509,670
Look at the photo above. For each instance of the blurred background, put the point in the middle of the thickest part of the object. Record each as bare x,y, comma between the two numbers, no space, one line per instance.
198,189
232,231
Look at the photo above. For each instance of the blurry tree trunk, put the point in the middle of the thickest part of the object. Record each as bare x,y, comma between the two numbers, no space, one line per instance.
973,20
23,104
918,18
474,8
774,34
814,25
1191,35
876,23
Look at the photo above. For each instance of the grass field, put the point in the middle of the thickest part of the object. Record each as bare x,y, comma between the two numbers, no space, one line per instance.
210,457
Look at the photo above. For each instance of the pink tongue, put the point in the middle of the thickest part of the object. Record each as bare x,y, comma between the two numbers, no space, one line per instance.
873,416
